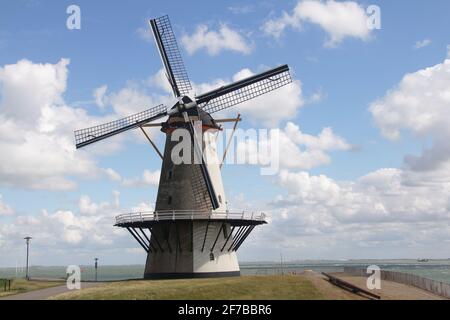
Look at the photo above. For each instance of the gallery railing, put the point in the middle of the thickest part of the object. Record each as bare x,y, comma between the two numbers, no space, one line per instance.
187,215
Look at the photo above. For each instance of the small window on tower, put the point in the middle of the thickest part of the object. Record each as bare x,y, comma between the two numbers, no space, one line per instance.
211,256
169,175
170,200
220,199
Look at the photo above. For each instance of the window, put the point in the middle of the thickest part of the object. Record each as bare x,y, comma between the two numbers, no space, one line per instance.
211,256
220,199
169,175
170,200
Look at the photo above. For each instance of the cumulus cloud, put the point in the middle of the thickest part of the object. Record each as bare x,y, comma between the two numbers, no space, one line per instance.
305,151
99,95
88,207
422,44
143,207
419,103
381,196
159,80
241,9
145,33
339,20
379,215
148,178
5,209
112,174
36,128
216,41
68,235
37,125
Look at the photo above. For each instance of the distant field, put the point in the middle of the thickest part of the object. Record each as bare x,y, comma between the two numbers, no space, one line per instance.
240,288
22,286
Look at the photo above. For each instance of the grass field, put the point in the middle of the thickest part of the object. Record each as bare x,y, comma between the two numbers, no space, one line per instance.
22,286
240,288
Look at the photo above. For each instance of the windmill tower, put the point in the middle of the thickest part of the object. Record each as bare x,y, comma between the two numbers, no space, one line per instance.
190,233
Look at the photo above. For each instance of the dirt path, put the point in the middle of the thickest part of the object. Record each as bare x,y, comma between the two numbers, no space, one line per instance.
43,294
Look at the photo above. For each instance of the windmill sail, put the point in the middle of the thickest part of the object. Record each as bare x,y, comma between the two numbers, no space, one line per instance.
87,136
171,56
244,90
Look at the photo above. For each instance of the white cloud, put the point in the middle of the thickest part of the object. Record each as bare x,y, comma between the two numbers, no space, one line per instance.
5,209
148,178
305,151
69,236
419,103
36,128
159,80
241,9
87,207
145,33
317,97
380,215
216,41
99,95
143,207
65,230
130,100
422,44
340,20
379,197
112,174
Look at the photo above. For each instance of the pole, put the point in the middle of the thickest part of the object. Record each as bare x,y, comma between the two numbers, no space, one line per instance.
281,260
96,266
27,239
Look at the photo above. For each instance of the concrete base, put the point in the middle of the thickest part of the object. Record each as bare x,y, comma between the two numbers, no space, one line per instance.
197,249
161,276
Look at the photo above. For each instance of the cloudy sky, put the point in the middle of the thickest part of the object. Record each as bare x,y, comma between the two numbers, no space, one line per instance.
365,126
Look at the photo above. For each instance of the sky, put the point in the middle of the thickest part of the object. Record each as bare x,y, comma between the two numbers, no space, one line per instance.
364,127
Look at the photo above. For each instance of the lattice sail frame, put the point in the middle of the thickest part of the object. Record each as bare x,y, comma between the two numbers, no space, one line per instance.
247,92
90,135
172,51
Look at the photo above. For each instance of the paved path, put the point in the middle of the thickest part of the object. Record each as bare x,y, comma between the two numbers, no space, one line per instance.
393,290
389,290
46,293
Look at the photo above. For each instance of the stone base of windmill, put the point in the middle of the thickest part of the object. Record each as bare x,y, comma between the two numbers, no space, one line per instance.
190,245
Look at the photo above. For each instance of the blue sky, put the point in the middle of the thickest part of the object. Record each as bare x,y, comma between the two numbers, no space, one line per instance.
348,77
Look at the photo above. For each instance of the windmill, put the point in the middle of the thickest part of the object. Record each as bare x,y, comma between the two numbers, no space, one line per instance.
190,233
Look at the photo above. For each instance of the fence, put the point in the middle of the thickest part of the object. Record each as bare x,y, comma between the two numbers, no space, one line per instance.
440,288
5,284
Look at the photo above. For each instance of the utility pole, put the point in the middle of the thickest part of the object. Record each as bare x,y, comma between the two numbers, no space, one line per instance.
27,239
96,266
281,262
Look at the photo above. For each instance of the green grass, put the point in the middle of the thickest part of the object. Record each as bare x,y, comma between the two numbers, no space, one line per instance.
22,286
239,288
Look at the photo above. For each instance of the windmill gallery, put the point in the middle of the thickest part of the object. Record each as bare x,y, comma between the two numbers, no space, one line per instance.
190,233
